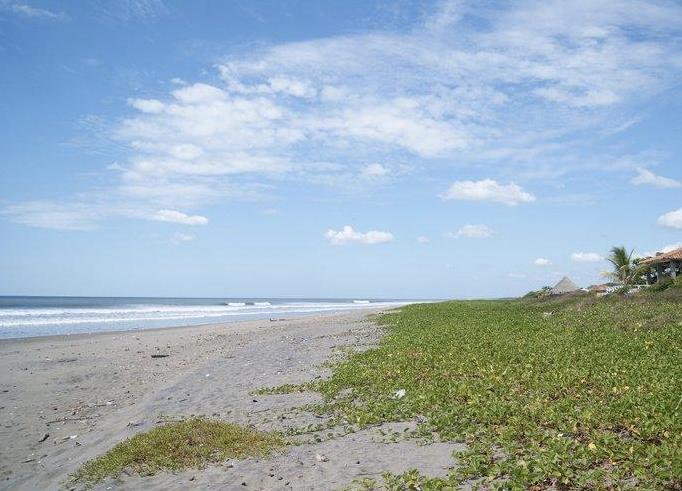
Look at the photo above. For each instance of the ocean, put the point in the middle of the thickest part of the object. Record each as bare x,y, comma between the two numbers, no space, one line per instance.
43,316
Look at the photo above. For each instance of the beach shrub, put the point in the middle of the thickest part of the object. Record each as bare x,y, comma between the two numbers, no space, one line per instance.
661,285
542,292
588,397
178,445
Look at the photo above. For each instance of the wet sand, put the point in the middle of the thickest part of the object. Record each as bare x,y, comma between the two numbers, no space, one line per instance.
88,392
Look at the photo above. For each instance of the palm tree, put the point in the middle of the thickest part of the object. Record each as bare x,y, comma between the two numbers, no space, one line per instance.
625,269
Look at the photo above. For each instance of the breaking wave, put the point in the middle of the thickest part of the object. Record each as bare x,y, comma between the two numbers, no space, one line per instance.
39,321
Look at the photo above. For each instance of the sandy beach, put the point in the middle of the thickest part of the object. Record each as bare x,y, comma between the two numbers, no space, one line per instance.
67,399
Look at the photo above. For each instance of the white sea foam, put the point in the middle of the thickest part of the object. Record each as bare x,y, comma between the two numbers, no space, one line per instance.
40,321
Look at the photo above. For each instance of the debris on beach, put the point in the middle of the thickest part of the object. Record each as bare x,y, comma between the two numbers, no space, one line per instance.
44,437
321,457
160,355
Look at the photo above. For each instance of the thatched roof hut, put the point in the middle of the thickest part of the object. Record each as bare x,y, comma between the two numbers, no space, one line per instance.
564,286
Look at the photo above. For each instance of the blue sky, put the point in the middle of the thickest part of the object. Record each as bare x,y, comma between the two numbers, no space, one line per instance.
339,149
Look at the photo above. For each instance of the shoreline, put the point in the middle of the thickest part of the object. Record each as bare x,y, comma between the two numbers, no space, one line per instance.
88,392
287,317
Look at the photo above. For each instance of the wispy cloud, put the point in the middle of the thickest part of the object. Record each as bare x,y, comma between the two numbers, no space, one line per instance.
174,216
514,86
645,177
374,170
29,11
449,96
487,190
180,238
130,10
541,261
348,235
479,231
51,215
422,239
586,257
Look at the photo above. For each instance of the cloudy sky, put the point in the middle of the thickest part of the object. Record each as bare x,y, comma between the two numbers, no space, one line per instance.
343,149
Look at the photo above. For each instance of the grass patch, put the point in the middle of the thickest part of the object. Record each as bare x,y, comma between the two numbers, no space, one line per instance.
180,445
282,389
576,393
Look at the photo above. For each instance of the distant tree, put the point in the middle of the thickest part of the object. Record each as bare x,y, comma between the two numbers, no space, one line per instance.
626,270
542,292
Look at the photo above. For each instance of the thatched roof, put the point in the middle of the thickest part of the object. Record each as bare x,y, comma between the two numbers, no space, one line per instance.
564,286
664,257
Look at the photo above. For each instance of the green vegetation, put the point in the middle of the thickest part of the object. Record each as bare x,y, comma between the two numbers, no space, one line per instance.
179,445
570,393
281,389
542,292
672,287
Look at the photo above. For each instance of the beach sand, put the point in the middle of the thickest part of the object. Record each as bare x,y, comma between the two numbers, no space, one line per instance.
88,392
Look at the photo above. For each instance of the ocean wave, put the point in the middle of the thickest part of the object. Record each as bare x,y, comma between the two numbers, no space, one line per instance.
154,315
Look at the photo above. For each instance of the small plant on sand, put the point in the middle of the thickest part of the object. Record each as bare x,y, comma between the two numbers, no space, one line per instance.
180,445
281,389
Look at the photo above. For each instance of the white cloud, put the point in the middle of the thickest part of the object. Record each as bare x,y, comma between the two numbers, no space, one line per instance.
586,257
487,190
450,95
541,261
398,123
348,235
472,232
672,219
34,12
422,239
513,86
180,238
374,170
179,217
447,13
152,106
84,215
199,94
292,87
648,178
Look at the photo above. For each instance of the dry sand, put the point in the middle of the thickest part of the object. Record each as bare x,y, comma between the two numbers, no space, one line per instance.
87,392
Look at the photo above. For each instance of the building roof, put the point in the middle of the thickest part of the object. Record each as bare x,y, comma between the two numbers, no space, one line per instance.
664,257
564,286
